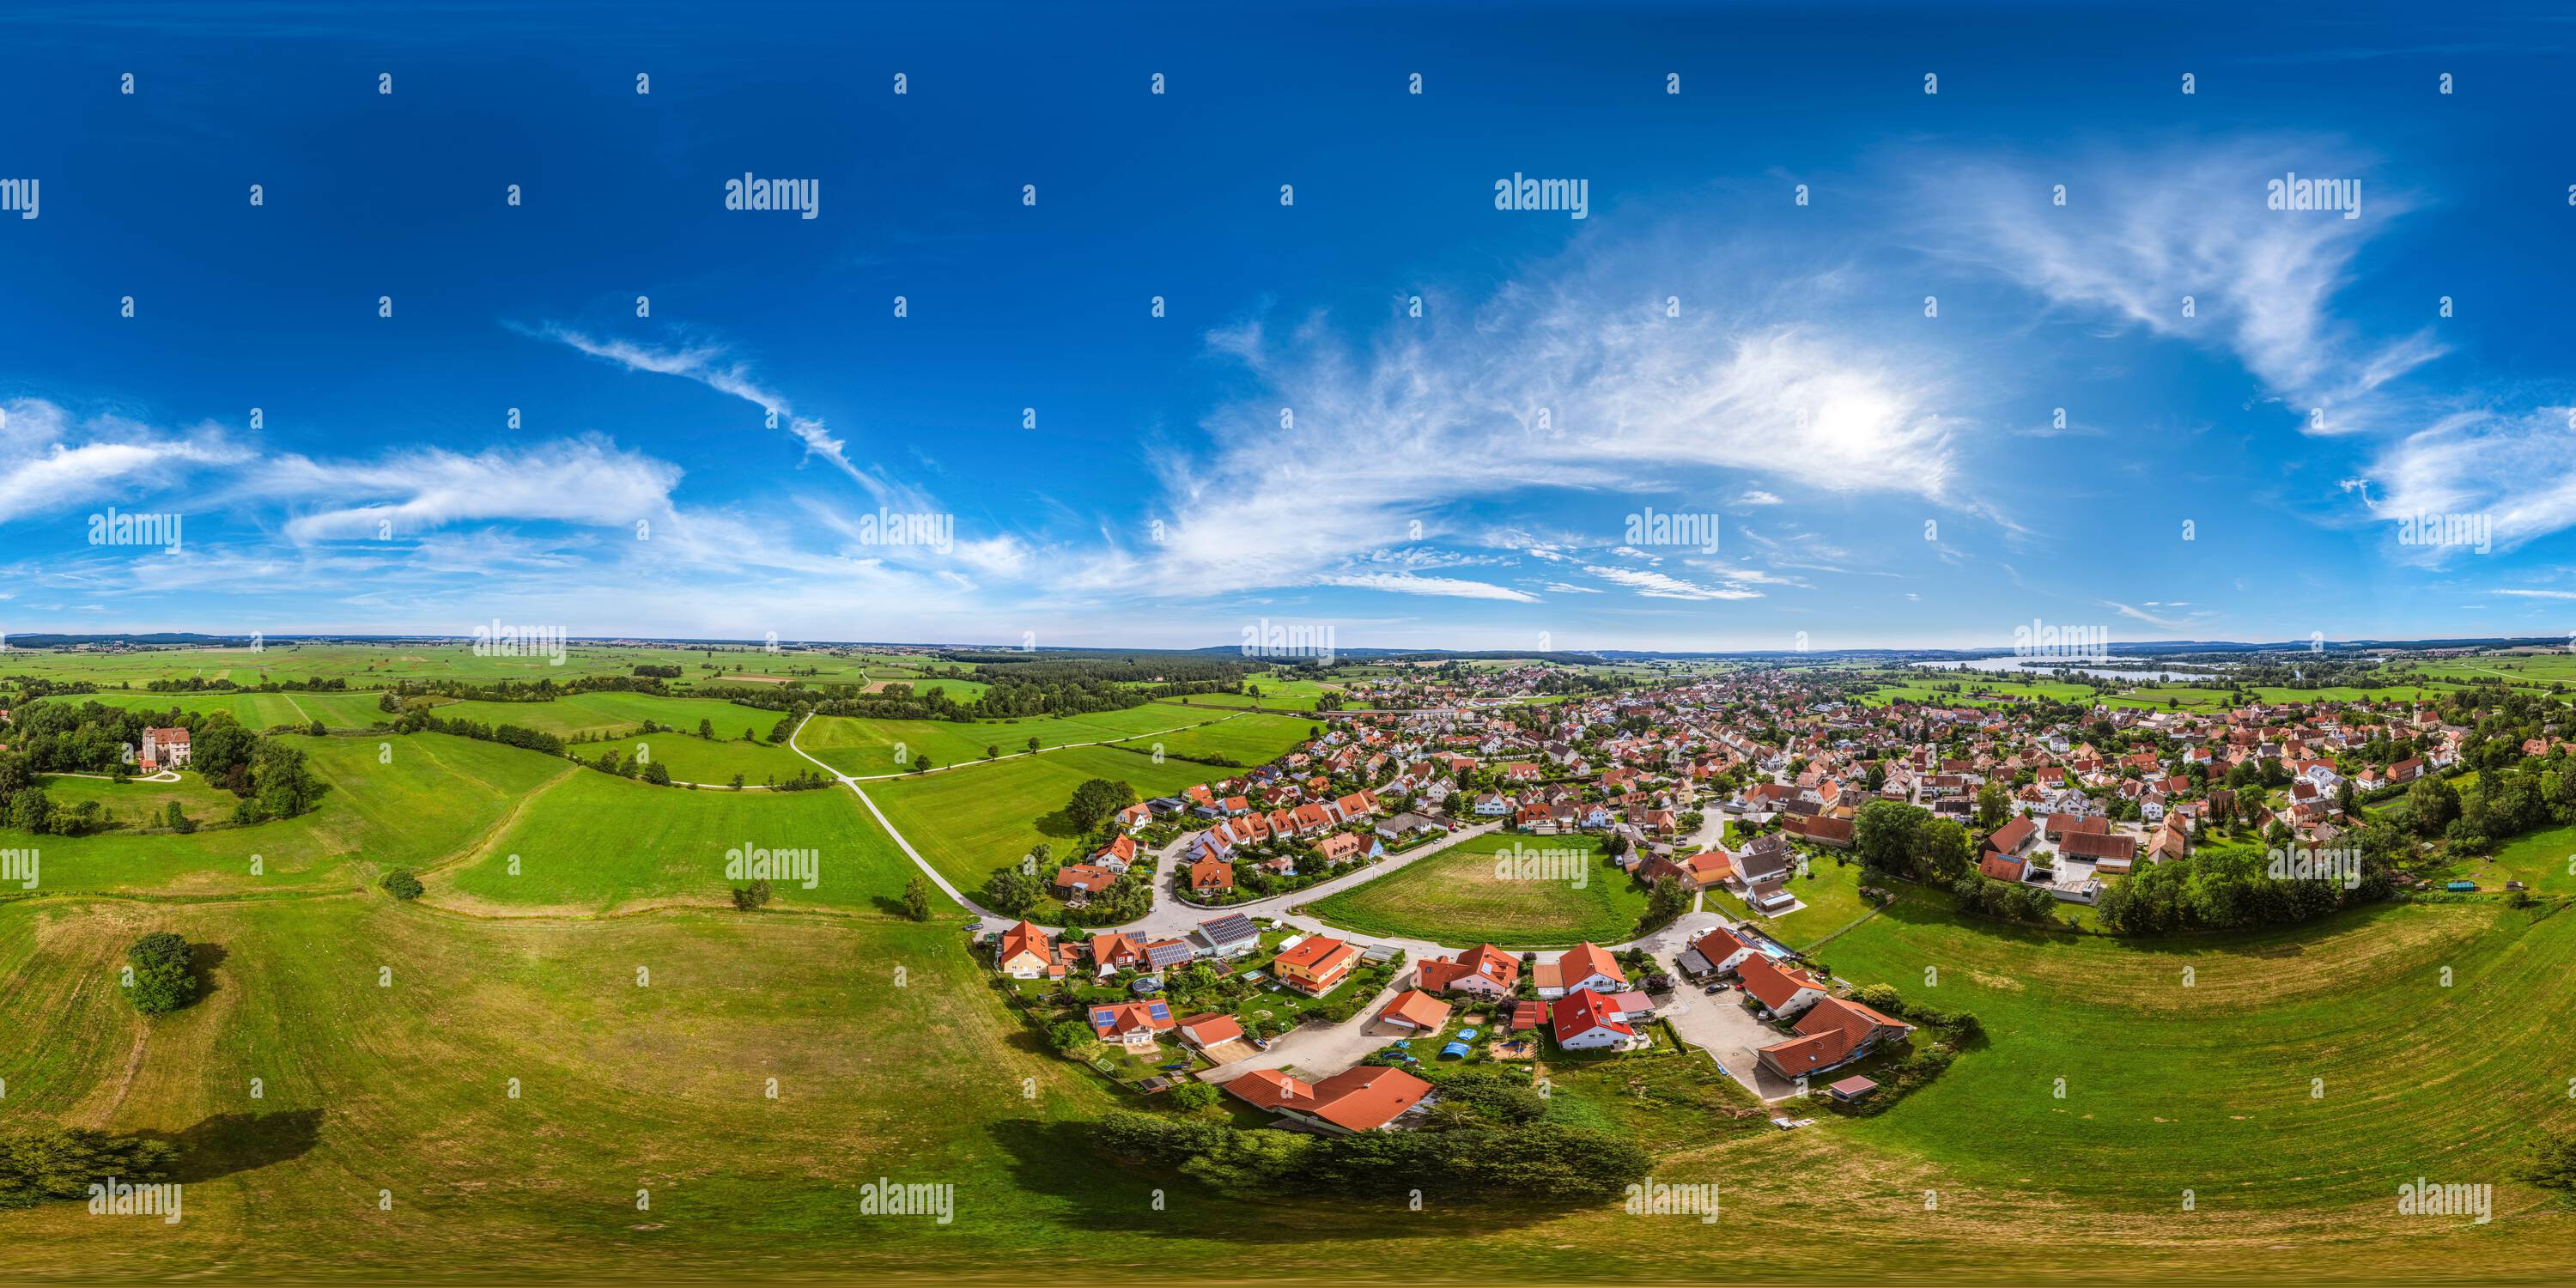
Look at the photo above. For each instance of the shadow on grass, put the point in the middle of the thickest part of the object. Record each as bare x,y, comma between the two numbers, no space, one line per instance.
1058,825
203,958
1058,1159
230,1143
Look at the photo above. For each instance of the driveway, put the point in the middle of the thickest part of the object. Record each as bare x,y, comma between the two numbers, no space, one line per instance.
1719,1025
1315,1050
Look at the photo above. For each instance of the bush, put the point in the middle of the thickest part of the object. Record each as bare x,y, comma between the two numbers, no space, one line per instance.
1194,1096
158,968
401,884
751,897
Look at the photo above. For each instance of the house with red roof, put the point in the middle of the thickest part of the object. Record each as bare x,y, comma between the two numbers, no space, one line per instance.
1584,1020
1075,883
1833,1032
1314,964
1026,952
1117,856
1212,875
1416,1011
1783,991
1484,971
1717,952
1210,1029
1586,965
1361,1098
1131,1024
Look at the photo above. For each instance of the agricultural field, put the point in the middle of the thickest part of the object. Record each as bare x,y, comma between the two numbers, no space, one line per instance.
969,822
1252,738
1277,694
2522,669
864,748
253,710
598,722
1455,898
660,1081
670,846
1979,689
378,665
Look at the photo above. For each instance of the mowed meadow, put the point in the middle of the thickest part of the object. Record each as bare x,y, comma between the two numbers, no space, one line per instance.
592,843
393,802
2273,1072
878,748
1460,897
644,1138
969,822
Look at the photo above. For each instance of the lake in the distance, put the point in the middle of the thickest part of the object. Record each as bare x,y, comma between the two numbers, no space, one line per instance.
2043,666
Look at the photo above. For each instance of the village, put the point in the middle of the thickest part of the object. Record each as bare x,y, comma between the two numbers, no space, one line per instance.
1738,799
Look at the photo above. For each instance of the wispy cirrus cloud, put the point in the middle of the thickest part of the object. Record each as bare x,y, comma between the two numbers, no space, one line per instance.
708,365
2145,229
2517,469
588,480
50,460
1559,382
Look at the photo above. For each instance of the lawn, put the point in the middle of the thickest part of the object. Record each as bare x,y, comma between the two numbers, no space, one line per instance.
2544,860
1831,895
1453,898
670,845
665,1088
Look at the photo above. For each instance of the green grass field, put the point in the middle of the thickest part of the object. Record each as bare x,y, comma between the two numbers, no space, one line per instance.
1454,898
610,721
977,819
1829,897
253,710
863,748
670,845
2211,1086
1276,693
378,665
1250,739
393,802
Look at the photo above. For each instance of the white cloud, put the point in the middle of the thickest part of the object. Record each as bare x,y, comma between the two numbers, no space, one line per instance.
43,470
1409,584
1556,383
2517,470
1655,585
706,365
2142,230
1755,497
586,481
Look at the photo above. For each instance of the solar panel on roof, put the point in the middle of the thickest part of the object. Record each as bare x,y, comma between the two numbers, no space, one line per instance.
1159,1011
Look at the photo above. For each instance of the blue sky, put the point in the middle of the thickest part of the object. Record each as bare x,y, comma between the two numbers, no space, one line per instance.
1699,344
